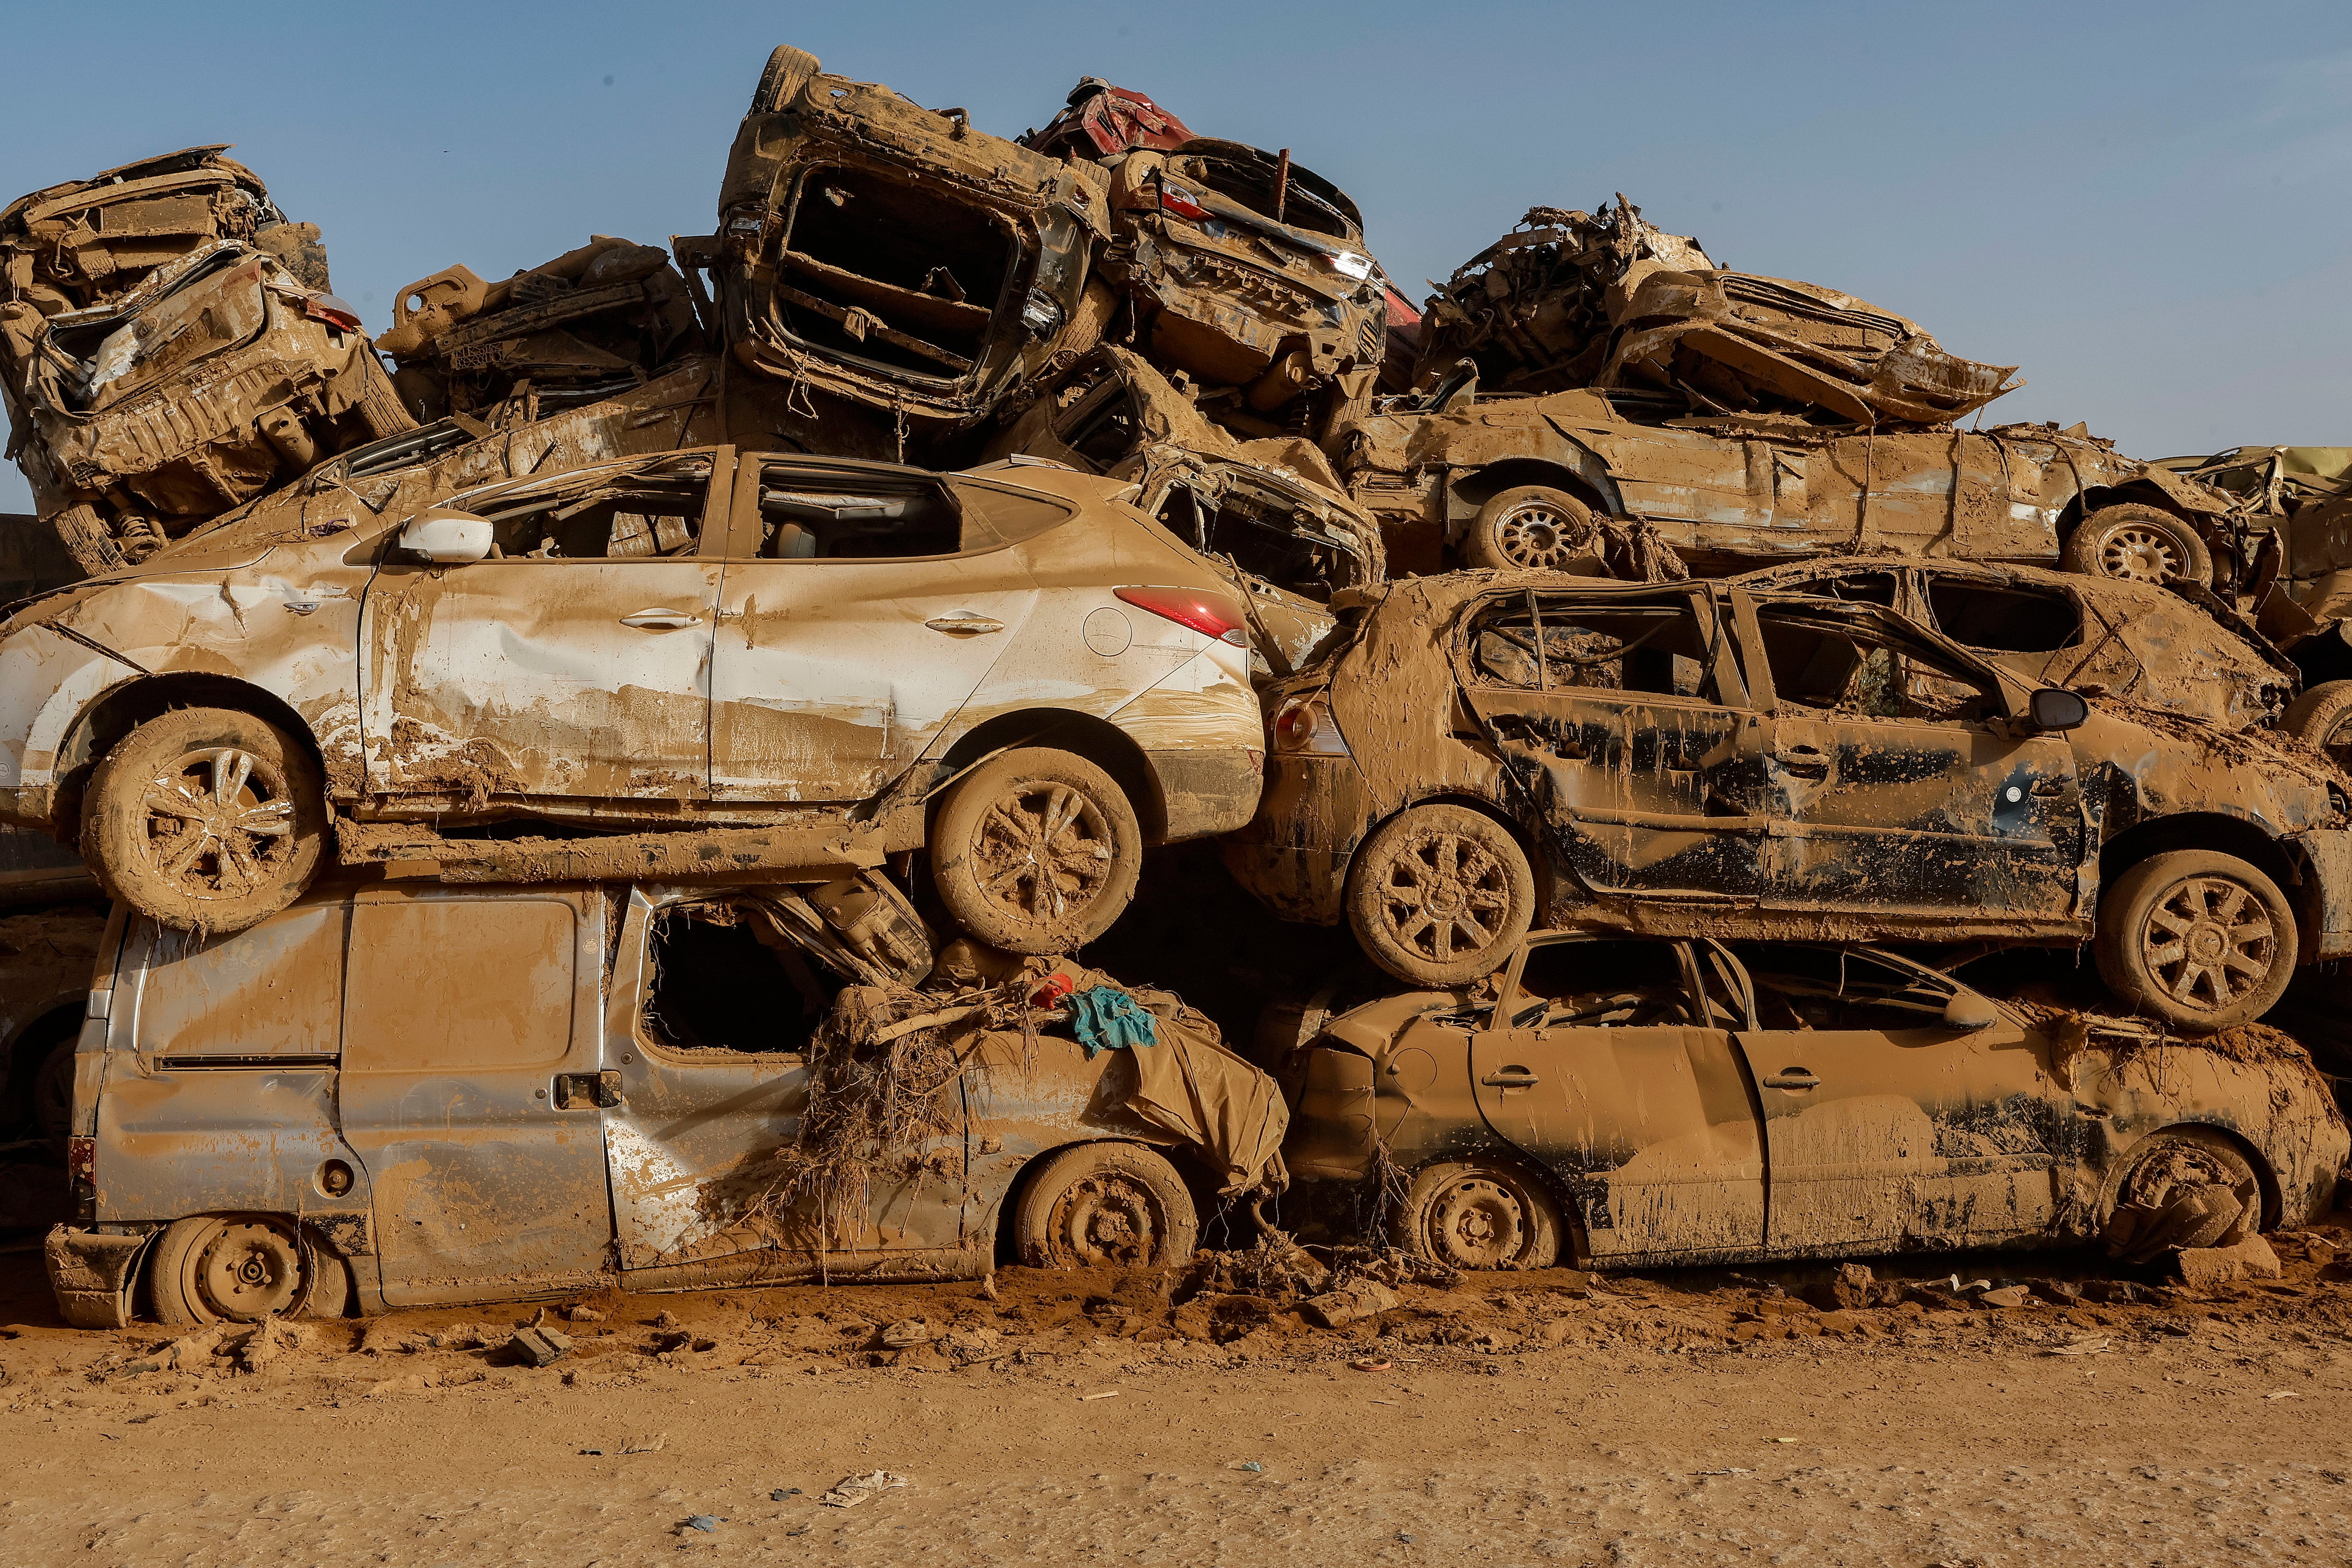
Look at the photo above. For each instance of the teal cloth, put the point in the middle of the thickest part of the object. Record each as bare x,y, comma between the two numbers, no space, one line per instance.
1106,1019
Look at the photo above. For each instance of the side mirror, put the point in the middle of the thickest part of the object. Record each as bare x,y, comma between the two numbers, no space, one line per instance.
447,538
2053,709
1968,1011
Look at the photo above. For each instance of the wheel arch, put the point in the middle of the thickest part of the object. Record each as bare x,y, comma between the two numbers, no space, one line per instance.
2265,1177
123,708
1098,739
2220,832
1006,1204
1467,489
1576,1241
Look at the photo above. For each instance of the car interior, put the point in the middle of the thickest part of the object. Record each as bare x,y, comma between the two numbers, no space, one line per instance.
655,511
1535,643
1798,987
1588,985
1255,528
722,977
1847,666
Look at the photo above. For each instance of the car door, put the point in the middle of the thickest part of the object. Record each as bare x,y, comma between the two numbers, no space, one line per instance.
861,607
1894,782
471,1090
1598,1062
574,662
1621,714
1885,1125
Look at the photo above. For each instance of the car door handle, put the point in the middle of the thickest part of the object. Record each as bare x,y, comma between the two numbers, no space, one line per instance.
964,624
1803,757
1793,1078
1511,1078
661,620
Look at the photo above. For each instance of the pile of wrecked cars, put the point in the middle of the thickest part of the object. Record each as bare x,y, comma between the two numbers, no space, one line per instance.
744,677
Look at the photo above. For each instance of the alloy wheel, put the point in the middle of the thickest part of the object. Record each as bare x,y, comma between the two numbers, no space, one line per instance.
219,821
2209,942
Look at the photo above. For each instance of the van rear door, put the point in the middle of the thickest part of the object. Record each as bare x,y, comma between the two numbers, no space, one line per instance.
471,1090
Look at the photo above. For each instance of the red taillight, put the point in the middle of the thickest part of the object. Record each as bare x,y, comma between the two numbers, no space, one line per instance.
1176,199
333,312
81,1160
1296,726
1210,615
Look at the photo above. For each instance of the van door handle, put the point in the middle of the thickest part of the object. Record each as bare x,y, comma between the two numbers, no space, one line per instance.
661,620
1511,1078
584,1090
1793,1078
964,624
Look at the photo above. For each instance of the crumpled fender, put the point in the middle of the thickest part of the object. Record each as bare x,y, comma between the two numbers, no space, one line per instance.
2185,493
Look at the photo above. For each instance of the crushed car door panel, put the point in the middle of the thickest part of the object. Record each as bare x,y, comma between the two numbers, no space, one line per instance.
472,1061
861,608
1886,1126
1891,784
575,661
1611,713
1595,1062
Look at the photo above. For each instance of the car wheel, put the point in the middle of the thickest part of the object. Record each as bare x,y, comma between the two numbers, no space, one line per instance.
1440,895
1104,1205
205,819
1533,526
2137,543
237,1269
2182,1187
2322,719
1036,851
1478,1215
2202,940
788,72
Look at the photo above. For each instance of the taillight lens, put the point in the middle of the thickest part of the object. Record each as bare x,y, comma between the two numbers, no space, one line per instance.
335,313
1304,724
1212,615
81,1160
1176,199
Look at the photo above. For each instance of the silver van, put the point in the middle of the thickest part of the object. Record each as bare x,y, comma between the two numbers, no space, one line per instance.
388,1096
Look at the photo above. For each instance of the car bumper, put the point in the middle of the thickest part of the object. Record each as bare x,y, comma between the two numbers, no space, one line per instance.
28,806
1206,792
1294,854
92,1274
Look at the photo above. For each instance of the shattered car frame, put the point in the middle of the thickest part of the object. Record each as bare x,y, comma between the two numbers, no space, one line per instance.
1622,1104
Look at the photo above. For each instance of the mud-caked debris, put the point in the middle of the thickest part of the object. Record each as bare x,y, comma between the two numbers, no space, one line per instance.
1350,1303
538,1346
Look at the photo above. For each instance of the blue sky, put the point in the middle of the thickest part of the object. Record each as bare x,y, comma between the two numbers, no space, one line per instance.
2144,206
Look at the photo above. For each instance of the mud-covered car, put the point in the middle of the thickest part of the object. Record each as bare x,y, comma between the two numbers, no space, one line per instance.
1620,1103
168,349
619,1085
2180,647
1521,481
806,660
1484,751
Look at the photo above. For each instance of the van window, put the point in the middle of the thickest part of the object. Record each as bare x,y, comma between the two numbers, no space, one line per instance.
720,977
273,991
446,984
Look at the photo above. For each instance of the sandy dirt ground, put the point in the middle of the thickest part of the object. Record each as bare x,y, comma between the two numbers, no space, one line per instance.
1526,1419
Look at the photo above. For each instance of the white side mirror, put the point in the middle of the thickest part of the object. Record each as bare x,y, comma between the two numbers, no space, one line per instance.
447,538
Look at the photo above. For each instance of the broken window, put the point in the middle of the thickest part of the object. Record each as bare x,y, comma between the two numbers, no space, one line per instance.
1583,985
811,511
721,976
896,271
1805,987
1258,530
1841,664
1544,642
633,515
2004,619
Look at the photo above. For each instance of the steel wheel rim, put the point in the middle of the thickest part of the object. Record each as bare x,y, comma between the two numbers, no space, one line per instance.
1537,535
2208,943
217,824
1442,884
2135,553
247,1270
1108,1219
1476,1223
1045,850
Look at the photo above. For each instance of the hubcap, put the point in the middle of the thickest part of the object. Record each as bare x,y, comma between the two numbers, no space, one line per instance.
1539,535
219,824
248,1271
1444,896
1108,1219
2140,555
2209,942
1044,851
1476,1223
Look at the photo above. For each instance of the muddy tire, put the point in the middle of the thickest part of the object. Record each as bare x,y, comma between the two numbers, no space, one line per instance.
1533,526
788,72
1104,1205
1479,1215
1440,895
227,1268
205,819
2322,719
2199,939
1036,851
2137,543
2182,1187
